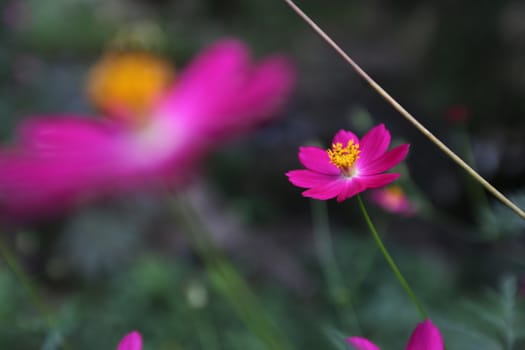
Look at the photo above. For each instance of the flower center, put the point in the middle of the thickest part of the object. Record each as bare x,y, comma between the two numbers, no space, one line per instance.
394,195
344,157
126,85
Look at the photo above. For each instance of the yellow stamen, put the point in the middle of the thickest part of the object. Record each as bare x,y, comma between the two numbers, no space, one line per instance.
128,83
344,157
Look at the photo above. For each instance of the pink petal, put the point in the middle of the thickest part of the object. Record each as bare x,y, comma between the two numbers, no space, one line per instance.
266,89
204,86
223,92
326,191
373,144
131,341
426,336
309,179
59,165
375,181
37,186
343,136
352,187
221,61
316,159
55,161
362,344
387,161
51,133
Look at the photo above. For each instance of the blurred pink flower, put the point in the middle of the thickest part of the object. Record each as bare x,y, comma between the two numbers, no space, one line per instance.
60,161
394,200
131,341
349,167
426,336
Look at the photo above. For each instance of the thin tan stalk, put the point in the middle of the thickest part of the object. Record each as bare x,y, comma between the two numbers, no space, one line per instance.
406,114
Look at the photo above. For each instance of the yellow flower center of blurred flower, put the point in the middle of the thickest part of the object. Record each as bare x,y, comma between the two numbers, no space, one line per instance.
344,157
393,196
126,85
395,192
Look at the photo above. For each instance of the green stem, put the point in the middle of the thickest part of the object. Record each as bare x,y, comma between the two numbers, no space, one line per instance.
339,294
41,307
474,189
207,335
476,192
228,281
509,292
390,261
19,273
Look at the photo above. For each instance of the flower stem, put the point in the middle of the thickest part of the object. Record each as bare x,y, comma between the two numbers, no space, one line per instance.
40,305
390,261
227,280
339,294
444,148
207,334
19,273
478,197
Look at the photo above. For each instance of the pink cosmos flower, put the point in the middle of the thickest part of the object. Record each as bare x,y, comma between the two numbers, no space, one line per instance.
394,200
61,161
131,341
426,336
349,167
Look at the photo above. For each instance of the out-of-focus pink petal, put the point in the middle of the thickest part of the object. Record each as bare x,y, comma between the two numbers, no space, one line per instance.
227,58
59,165
375,181
223,92
35,188
387,161
426,336
316,159
362,344
373,145
343,136
73,141
54,162
351,188
211,76
64,133
131,341
266,89
259,98
39,186
326,191
309,179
